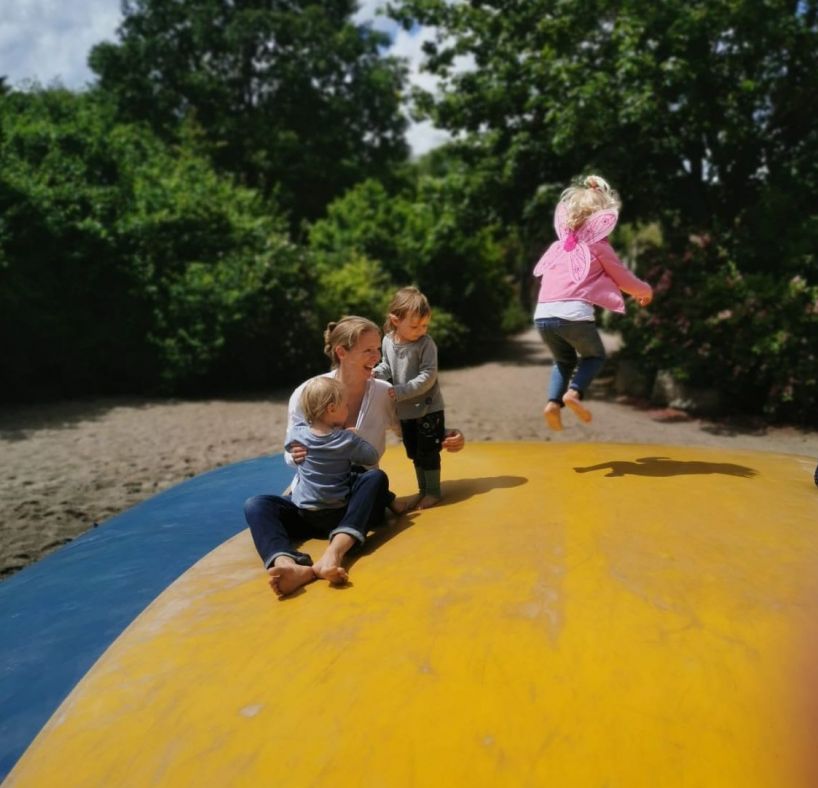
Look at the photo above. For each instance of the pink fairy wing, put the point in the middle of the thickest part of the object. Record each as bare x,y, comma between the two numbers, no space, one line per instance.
578,256
597,226
560,220
552,256
579,261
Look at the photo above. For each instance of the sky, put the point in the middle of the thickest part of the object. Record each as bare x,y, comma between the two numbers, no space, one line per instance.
49,40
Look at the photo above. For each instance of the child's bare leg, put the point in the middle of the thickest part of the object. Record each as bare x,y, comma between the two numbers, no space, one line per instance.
572,400
328,566
287,576
553,415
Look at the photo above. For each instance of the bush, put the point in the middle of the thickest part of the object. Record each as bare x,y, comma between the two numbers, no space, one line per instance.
127,266
420,236
754,337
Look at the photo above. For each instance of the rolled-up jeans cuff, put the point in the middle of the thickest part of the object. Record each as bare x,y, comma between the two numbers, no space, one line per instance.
300,558
345,529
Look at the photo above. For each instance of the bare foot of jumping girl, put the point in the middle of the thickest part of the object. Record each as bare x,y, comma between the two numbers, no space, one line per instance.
572,400
553,416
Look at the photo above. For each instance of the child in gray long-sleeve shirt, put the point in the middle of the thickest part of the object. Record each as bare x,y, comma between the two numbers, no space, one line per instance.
410,363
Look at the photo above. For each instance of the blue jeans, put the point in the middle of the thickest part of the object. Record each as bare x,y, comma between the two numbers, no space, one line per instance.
275,521
578,354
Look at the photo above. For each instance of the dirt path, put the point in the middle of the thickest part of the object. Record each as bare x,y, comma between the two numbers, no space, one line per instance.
67,466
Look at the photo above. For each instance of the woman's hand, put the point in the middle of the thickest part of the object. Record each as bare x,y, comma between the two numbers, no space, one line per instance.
298,452
454,440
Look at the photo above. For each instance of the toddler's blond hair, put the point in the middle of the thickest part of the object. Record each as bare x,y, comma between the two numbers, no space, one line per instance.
407,301
590,195
318,394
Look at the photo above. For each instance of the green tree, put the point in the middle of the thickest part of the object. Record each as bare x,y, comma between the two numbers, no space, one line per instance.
695,111
425,234
291,96
73,312
127,266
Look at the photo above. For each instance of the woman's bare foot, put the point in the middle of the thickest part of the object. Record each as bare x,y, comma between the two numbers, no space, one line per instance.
553,416
287,577
328,568
572,400
399,507
427,501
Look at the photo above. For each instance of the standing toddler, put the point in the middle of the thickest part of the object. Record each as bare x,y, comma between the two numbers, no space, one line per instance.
410,364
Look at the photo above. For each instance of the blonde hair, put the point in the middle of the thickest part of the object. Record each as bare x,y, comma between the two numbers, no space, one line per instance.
318,394
407,301
346,333
589,195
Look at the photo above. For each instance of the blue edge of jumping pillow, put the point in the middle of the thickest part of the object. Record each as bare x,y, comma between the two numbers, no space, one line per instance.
60,614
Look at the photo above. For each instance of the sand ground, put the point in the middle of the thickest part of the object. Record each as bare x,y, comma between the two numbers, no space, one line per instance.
66,466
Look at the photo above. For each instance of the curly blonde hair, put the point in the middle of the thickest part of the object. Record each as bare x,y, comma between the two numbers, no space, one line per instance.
345,333
407,301
589,195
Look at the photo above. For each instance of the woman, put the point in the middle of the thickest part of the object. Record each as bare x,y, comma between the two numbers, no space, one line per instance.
353,345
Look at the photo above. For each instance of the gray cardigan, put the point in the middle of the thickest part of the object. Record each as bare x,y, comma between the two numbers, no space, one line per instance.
412,369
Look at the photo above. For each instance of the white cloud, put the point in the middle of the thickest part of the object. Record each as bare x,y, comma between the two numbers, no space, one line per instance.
370,12
408,44
423,137
48,40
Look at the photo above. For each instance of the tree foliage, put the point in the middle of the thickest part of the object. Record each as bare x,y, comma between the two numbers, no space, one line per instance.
147,226
291,97
129,266
694,110
422,235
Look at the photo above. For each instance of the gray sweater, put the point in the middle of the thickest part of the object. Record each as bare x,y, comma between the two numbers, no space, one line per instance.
412,369
324,476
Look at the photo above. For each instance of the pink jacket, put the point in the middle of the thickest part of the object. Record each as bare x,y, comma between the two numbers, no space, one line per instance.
607,275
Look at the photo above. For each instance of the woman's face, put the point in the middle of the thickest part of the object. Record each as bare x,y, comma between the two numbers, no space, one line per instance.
363,356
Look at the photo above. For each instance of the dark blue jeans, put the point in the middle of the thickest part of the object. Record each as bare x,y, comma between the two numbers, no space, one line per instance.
276,522
578,354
